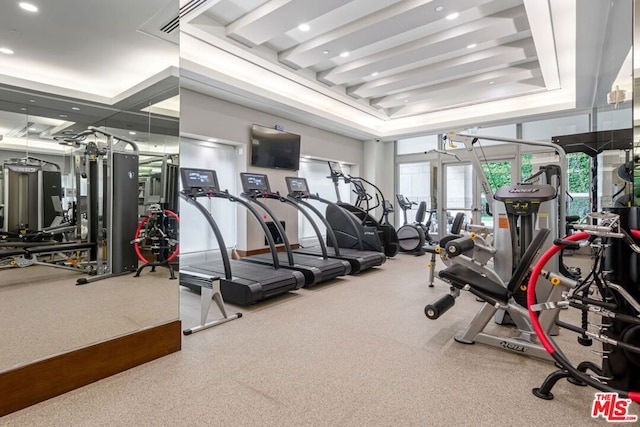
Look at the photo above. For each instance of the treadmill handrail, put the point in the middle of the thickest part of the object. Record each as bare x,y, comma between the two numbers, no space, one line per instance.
306,214
267,234
287,246
331,235
191,199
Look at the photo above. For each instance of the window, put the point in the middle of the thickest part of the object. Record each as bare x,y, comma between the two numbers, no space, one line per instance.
579,184
543,130
414,183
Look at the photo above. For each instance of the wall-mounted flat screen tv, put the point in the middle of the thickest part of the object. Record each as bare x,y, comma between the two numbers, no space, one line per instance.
271,148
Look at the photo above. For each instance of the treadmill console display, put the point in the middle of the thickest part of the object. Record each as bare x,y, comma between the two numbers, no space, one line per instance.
297,186
200,180
255,183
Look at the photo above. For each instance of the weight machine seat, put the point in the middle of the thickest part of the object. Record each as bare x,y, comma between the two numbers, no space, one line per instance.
457,223
31,248
460,276
422,209
523,267
27,245
4,253
62,247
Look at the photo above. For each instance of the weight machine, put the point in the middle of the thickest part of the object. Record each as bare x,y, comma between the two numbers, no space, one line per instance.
32,191
109,165
469,257
157,233
611,293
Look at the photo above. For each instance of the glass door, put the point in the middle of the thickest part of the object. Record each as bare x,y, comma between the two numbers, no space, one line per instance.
498,174
459,186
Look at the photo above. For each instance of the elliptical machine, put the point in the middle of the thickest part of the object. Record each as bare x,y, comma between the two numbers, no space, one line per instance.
381,236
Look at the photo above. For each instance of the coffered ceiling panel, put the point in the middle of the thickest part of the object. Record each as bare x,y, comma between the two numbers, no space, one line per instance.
399,58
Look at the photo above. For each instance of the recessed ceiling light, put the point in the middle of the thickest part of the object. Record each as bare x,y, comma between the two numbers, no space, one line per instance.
212,140
28,7
75,108
6,51
63,115
304,27
326,52
32,129
23,109
375,73
491,82
471,46
132,133
32,100
406,100
439,8
344,54
452,16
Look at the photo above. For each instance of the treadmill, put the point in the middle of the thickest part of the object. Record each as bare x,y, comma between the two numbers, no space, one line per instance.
360,260
240,283
316,268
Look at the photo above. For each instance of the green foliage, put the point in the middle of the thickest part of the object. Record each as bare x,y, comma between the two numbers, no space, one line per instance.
578,206
527,166
578,172
498,174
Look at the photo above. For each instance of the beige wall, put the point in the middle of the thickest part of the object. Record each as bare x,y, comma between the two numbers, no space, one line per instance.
205,116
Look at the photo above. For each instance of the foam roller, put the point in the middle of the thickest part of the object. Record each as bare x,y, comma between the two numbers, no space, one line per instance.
439,306
459,246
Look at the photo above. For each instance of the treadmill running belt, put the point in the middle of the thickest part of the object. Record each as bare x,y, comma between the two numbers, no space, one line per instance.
249,283
315,268
359,260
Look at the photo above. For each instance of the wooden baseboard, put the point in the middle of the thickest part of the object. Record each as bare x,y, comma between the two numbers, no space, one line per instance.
39,381
264,250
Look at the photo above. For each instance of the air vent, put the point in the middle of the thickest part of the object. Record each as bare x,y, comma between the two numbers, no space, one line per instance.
171,26
174,24
190,6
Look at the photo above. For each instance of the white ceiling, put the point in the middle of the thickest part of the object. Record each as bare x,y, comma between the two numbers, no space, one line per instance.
112,55
78,63
409,70
92,48
417,53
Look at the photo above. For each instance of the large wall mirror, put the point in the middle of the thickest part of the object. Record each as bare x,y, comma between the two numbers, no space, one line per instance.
636,101
110,67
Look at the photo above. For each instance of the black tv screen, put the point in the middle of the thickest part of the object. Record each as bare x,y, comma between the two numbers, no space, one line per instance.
271,148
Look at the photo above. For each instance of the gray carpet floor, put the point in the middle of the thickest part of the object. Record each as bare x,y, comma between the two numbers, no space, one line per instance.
45,313
357,351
